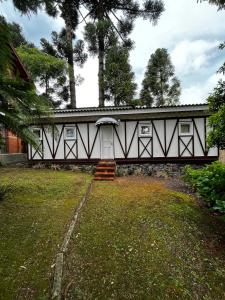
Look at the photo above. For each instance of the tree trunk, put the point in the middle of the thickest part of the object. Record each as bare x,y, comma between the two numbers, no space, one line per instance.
101,57
161,102
71,67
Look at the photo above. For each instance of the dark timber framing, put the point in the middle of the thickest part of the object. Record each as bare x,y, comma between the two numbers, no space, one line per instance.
185,145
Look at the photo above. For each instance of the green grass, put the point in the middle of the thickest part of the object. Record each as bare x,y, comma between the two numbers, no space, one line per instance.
33,220
142,240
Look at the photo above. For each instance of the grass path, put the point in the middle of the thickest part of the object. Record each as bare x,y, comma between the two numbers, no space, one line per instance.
33,220
139,239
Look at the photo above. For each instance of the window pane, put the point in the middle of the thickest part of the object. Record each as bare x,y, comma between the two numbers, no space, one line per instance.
145,129
185,128
70,133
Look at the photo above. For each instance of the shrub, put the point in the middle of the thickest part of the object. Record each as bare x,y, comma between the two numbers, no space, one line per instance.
5,189
209,182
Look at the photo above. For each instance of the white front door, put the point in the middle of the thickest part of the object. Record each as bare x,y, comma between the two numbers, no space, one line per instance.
107,142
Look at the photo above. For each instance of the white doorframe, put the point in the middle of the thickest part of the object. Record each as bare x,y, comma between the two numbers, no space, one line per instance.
107,142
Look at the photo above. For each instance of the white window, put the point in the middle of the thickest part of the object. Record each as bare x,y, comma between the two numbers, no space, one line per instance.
145,129
186,128
69,133
38,133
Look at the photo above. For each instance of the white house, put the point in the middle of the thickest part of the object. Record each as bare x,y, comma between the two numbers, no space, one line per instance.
124,134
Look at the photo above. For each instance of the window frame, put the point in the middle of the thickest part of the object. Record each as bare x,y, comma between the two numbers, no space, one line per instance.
74,137
190,133
140,134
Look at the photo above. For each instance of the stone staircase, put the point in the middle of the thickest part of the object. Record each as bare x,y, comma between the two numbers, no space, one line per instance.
105,170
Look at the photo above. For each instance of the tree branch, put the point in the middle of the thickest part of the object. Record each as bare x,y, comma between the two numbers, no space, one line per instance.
115,28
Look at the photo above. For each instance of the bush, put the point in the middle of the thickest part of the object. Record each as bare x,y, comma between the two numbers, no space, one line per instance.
5,189
209,182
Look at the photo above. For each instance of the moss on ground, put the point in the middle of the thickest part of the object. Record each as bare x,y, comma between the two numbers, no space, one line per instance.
142,240
33,219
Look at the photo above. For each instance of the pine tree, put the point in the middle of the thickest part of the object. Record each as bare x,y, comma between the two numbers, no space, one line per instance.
160,86
60,49
110,18
119,78
219,3
68,10
106,17
15,33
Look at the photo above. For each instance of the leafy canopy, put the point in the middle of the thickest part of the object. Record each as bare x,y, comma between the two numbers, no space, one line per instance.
47,71
216,101
15,33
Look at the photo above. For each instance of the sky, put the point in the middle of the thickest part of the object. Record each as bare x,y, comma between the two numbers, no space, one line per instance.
191,32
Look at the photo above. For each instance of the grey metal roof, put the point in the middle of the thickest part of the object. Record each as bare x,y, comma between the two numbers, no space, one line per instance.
121,108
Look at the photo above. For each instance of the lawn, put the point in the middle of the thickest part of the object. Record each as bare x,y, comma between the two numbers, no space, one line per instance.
33,220
142,239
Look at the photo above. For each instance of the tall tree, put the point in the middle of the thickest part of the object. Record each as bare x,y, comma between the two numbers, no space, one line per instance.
48,72
117,17
60,49
119,78
160,86
68,10
19,103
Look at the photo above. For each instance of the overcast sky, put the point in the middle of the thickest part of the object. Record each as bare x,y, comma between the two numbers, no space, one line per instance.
190,31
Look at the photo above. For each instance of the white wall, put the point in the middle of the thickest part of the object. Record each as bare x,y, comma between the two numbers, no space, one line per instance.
164,141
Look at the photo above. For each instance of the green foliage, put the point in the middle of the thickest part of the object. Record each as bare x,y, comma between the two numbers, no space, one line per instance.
119,78
5,53
209,182
19,104
73,52
110,19
219,3
101,29
32,6
160,86
15,33
60,48
48,71
216,101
